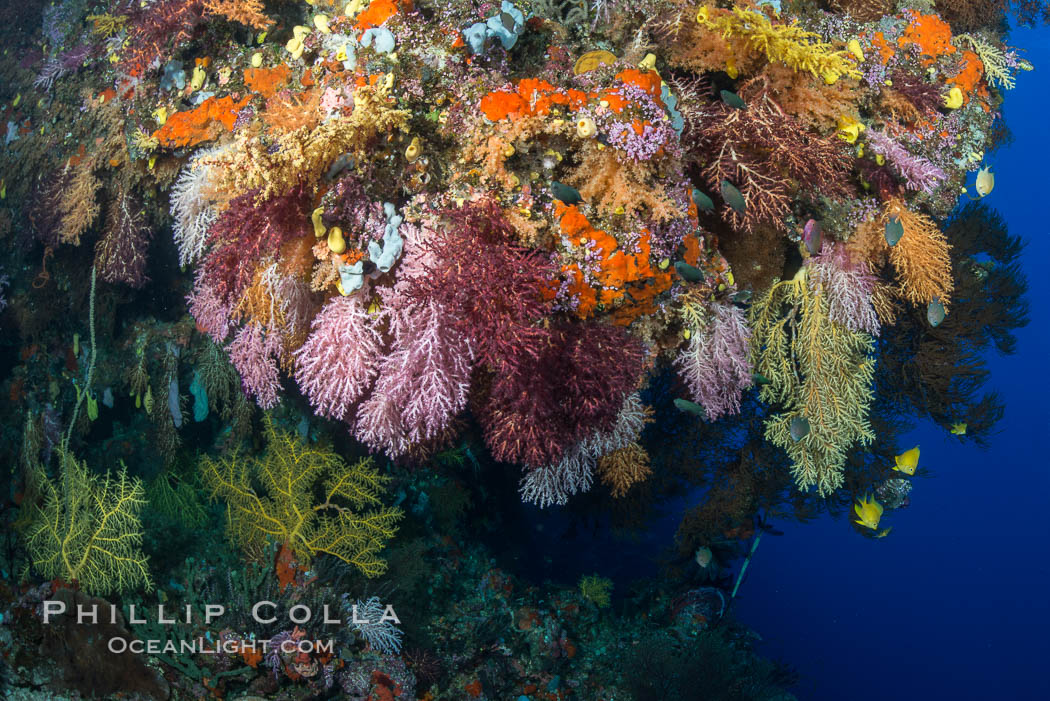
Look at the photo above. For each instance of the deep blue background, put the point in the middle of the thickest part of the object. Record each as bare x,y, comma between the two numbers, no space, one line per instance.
953,604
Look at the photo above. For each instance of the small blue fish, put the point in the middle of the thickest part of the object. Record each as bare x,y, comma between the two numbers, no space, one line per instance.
566,193
935,313
733,100
894,230
688,272
733,197
690,407
799,428
703,202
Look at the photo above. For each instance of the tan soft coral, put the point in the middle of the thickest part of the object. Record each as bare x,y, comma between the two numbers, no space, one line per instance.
609,184
704,50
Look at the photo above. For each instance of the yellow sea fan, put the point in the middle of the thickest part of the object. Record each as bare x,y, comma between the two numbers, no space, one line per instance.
273,498
86,529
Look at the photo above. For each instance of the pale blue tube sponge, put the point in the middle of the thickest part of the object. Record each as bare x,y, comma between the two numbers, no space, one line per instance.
386,255
507,26
383,38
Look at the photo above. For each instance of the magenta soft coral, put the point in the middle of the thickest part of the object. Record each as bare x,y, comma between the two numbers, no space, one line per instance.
423,382
567,388
247,234
491,288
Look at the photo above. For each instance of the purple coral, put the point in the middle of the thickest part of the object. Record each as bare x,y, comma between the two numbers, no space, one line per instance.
209,310
254,352
715,364
918,173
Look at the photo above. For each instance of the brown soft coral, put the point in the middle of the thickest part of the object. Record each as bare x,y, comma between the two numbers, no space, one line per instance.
812,101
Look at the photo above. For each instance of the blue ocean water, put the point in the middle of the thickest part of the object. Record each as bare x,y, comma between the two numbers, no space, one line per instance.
954,603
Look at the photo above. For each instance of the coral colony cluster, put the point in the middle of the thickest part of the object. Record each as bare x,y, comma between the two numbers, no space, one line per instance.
610,245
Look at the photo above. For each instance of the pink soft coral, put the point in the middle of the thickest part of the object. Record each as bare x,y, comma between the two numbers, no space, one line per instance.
340,359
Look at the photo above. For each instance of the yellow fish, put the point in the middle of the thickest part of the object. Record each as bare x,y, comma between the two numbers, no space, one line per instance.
959,429
868,512
908,461
985,182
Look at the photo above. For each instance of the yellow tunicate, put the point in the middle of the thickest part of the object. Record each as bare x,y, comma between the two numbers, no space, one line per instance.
17,100
508,150
853,46
879,159
729,276
414,150
336,242
197,82
664,263
955,98
687,334
152,162
703,15
321,22
515,181
648,63
731,70
374,307
257,59
315,219
619,211
341,54
300,32
161,115
353,7
585,127
262,37
849,129
295,47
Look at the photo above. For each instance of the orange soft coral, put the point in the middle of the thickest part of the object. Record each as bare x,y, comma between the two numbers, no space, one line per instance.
267,81
622,276
930,33
970,73
531,97
203,123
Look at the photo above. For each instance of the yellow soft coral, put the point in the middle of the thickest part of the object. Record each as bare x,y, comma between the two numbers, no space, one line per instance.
820,373
272,498
86,529
784,43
